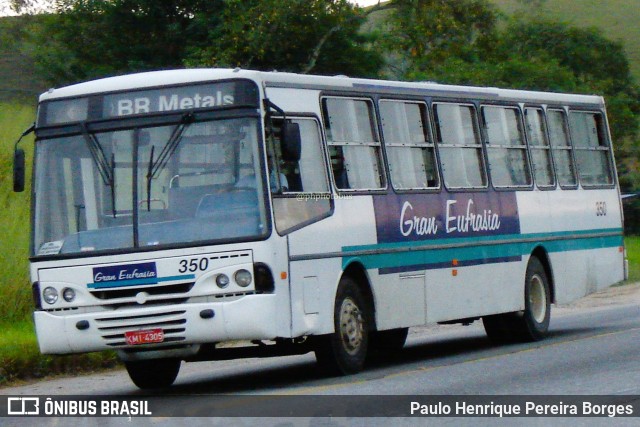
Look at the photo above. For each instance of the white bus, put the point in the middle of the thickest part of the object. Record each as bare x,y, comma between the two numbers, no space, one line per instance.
177,211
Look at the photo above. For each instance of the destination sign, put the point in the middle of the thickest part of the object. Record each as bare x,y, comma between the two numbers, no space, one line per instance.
169,99
135,103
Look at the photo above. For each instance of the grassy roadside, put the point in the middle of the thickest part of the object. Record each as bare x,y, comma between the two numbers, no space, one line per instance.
632,244
14,216
20,358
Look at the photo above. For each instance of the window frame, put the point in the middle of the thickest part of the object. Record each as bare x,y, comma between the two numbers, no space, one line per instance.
563,110
524,146
429,143
548,148
316,119
608,148
297,194
483,157
373,122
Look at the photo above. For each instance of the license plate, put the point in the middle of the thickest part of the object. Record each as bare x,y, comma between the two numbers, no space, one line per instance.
144,337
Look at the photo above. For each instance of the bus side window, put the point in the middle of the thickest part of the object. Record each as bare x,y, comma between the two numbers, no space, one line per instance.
410,152
506,149
561,147
305,194
353,144
459,146
539,146
591,148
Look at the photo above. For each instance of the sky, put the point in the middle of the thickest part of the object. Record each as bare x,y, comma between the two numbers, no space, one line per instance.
364,2
4,8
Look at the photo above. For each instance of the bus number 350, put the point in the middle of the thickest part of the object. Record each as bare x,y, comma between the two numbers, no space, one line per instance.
193,265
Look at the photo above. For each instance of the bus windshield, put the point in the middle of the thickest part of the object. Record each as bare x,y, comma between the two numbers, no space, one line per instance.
148,186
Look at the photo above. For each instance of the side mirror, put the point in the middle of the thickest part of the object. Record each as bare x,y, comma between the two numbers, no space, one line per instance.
291,142
18,170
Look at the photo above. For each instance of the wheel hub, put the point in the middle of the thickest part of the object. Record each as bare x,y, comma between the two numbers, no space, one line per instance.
537,299
351,326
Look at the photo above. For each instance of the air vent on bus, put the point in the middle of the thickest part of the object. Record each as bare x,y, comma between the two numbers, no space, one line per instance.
113,328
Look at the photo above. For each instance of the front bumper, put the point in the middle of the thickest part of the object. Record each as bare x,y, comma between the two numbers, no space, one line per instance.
251,317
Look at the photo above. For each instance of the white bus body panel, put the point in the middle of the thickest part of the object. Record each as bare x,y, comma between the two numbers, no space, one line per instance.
582,271
239,312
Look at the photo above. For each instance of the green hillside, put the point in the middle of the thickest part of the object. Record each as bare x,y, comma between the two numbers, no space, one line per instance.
618,19
17,80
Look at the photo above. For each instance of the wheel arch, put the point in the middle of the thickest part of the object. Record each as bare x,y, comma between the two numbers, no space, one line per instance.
356,270
541,253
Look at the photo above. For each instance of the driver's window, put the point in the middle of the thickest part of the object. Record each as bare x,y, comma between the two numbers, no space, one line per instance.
304,190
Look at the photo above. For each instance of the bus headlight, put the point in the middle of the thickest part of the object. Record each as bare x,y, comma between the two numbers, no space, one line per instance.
68,294
222,281
243,278
50,295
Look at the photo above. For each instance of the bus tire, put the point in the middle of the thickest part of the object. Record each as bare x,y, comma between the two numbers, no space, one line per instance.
533,323
498,328
150,374
344,351
384,344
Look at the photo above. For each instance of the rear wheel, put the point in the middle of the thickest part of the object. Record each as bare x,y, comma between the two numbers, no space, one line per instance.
532,324
149,374
344,352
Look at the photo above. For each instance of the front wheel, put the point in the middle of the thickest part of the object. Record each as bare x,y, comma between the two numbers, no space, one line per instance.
385,344
150,374
344,352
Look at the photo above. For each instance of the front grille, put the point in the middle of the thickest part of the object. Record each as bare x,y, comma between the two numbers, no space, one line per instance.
172,323
108,294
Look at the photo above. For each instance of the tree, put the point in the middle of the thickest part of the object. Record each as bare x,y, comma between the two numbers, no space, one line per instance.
591,57
92,38
425,33
597,64
87,39
320,36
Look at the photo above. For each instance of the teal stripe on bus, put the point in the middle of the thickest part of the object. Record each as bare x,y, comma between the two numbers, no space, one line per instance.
477,250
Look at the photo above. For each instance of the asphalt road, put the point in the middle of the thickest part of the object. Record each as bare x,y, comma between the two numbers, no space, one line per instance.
594,351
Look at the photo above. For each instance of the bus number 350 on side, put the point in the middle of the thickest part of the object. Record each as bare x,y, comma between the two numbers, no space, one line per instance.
193,265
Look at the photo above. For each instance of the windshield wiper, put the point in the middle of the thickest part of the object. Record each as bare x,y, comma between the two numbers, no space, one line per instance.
149,178
106,170
166,153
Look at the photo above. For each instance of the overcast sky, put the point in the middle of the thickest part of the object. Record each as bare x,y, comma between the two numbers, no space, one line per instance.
364,2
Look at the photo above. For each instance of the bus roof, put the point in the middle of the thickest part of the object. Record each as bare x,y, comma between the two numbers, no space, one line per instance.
291,80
